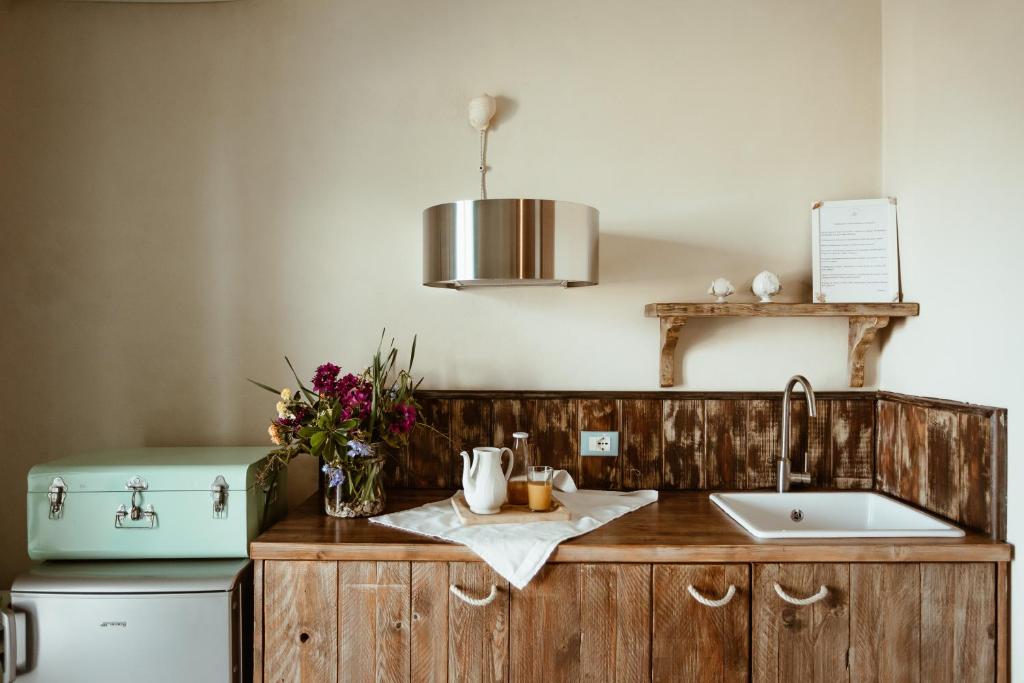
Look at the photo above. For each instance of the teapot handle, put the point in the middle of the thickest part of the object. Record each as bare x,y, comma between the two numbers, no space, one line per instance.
511,459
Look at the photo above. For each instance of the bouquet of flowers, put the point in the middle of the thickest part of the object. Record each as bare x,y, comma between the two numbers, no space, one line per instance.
348,421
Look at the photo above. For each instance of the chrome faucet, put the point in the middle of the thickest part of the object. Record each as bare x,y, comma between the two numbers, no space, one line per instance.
785,476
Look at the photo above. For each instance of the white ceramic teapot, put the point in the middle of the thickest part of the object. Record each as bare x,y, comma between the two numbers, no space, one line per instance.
484,483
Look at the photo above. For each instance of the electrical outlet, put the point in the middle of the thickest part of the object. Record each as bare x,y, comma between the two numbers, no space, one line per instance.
599,443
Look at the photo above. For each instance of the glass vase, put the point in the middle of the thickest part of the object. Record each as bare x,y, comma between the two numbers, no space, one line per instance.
361,491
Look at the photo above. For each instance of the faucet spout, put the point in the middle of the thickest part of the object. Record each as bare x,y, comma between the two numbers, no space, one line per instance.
785,475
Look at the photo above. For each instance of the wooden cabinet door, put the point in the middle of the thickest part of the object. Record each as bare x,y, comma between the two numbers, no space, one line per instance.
800,642
615,621
373,621
300,627
958,622
477,636
929,622
694,641
885,622
582,622
428,642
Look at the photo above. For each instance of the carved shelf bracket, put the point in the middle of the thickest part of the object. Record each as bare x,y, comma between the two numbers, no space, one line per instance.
864,320
863,329
670,328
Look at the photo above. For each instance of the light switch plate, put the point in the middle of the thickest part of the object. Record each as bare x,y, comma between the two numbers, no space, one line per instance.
601,444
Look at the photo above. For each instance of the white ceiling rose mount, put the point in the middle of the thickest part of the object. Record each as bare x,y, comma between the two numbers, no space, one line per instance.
507,242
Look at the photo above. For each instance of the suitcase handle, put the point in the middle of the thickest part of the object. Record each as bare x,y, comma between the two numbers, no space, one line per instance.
136,512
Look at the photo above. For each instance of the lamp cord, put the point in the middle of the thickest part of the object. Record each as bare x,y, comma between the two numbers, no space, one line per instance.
483,164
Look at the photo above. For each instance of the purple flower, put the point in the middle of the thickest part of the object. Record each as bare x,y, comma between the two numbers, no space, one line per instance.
358,449
325,379
404,417
335,475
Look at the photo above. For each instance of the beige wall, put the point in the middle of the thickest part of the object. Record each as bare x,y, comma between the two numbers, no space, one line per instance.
188,192
953,153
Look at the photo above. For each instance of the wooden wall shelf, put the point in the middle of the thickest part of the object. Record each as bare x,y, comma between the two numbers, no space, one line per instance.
864,319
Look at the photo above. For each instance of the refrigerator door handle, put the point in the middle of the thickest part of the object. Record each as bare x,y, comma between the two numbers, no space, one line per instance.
8,623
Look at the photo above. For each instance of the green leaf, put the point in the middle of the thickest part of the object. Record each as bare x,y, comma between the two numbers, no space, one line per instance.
311,397
264,386
317,440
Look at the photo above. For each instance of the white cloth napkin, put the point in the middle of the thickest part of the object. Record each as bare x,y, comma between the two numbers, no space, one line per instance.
518,551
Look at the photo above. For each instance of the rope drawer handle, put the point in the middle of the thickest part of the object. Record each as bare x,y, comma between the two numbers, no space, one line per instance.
474,602
708,602
817,597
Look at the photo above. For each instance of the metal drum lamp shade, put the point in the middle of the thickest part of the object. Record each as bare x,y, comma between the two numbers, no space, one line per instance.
503,242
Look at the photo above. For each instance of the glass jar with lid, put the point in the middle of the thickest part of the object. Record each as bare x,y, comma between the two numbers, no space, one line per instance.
517,483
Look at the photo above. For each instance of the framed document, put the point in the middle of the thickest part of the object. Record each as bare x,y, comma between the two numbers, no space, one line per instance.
855,251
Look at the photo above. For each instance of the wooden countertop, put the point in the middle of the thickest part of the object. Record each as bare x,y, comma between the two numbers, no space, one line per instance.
680,527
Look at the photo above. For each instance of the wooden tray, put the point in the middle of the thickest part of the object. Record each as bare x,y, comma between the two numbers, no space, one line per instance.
510,514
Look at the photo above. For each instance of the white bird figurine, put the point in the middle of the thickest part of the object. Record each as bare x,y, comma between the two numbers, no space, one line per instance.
766,285
721,288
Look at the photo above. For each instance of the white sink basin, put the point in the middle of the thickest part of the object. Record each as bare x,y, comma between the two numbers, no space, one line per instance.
843,514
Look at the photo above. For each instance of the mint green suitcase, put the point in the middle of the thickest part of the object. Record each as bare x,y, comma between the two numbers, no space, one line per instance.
151,503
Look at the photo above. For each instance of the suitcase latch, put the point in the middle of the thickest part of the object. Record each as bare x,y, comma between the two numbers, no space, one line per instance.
136,512
219,494
57,493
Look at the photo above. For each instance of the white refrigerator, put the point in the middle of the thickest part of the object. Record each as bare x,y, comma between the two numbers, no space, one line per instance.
153,621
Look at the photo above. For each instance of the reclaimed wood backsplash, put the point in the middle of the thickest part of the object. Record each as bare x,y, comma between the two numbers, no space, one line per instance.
667,440
946,457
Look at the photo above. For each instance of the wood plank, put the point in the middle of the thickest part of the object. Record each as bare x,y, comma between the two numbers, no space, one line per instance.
551,424
257,618
885,622
669,329
660,395
373,621
471,426
693,642
942,494
793,643
554,436
680,527
1002,622
300,627
509,418
545,625
887,446
725,429
682,444
640,442
429,622
913,453
429,453
976,460
811,441
778,309
958,622
762,443
853,444
615,613
478,637
1000,459
599,472
861,335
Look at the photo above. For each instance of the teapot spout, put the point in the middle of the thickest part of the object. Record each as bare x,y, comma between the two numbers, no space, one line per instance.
467,474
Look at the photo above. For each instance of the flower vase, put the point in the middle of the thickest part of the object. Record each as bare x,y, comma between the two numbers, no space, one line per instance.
359,490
